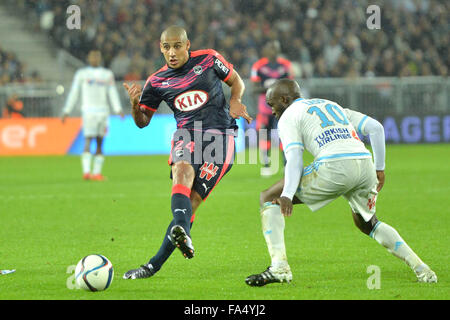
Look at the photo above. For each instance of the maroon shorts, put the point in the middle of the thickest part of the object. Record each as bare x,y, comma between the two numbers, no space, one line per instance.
211,156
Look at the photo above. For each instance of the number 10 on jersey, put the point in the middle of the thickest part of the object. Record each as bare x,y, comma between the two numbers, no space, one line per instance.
331,110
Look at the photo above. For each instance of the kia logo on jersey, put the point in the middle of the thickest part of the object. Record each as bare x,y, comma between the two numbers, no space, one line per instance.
191,100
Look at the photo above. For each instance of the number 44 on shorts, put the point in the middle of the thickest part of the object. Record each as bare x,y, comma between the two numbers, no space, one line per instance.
208,171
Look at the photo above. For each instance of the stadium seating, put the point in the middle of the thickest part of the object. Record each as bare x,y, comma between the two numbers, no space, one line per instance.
322,38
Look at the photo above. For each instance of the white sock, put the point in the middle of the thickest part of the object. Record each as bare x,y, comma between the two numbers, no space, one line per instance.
389,238
273,230
98,164
86,158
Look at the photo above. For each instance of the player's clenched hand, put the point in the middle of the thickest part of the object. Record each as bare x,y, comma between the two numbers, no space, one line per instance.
134,92
285,205
237,110
380,177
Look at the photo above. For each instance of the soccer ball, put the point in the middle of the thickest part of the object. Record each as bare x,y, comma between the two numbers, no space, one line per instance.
94,273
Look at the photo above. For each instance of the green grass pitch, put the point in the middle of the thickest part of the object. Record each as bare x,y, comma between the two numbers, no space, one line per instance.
50,219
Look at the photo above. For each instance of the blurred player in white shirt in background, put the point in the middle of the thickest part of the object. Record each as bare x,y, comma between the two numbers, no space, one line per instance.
96,85
342,167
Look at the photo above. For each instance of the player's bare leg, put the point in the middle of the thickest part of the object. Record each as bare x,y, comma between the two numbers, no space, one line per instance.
86,159
196,201
99,159
273,230
389,238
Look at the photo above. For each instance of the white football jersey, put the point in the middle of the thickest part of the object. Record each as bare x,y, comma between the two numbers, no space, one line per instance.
323,128
96,85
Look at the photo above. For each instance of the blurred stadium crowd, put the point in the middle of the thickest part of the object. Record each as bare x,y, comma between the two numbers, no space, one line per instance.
322,38
13,70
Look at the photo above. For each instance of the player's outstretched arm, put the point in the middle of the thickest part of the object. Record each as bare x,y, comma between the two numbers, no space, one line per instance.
73,95
375,130
292,177
141,117
237,109
369,126
380,177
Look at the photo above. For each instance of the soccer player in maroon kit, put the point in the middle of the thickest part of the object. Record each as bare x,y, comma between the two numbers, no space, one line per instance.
203,145
264,73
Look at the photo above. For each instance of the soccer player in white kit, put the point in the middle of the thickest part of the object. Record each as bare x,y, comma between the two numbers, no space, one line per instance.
342,166
96,84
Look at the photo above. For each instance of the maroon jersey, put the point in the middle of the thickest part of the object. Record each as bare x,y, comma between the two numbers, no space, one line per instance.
193,92
268,72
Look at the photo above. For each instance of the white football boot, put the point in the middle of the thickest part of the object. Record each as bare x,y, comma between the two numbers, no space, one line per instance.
426,275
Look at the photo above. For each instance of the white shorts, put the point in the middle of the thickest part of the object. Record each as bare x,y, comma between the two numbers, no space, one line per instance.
354,179
95,124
